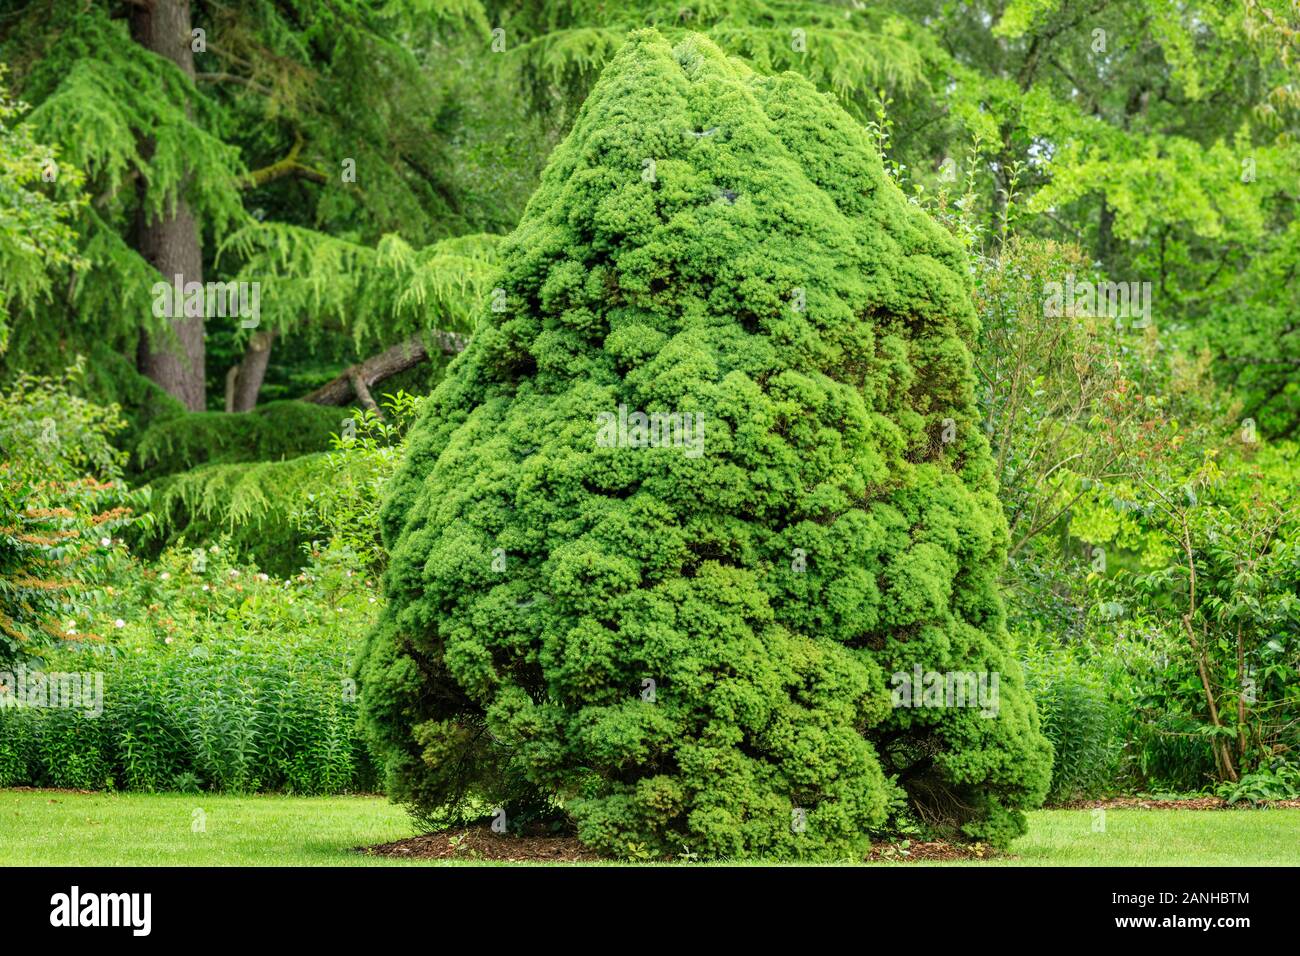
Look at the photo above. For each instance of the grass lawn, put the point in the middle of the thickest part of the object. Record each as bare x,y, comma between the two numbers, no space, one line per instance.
58,828
1161,838
40,827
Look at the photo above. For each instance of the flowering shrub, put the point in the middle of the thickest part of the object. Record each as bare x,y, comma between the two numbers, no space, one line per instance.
61,503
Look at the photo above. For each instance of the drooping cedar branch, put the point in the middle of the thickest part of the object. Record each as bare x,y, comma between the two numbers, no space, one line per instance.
360,378
288,166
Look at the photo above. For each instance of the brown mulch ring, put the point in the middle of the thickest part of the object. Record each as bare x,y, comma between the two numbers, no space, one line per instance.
480,843
938,850
1192,803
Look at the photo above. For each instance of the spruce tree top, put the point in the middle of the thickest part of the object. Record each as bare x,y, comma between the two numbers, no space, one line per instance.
679,630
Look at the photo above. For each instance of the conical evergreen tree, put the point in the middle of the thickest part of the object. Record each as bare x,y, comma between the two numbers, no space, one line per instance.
688,634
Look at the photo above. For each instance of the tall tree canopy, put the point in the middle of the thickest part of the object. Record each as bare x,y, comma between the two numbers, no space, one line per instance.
281,142
292,145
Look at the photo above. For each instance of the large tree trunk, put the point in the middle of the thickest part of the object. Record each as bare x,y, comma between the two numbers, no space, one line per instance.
245,379
171,242
358,379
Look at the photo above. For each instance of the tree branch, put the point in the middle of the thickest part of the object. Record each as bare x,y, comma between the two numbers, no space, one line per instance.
218,77
362,392
360,378
289,166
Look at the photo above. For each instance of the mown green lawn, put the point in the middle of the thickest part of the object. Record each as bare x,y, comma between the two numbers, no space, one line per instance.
1161,838
41,827
59,828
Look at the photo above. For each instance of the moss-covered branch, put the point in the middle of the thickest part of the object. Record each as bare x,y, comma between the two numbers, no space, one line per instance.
288,166
359,378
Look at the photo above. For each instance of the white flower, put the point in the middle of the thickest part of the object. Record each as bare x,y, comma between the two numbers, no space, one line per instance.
372,600
168,640
105,542
263,577
234,573
205,587
119,623
214,550
166,576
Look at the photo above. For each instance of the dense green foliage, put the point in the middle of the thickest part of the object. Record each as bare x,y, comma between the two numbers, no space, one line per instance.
1158,135
710,242
311,146
252,505
273,431
1082,719
60,505
214,677
345,509
35,236
1152,578
1221,613
270,511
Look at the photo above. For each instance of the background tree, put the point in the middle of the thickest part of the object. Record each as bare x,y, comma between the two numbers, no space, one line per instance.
194,121
36,238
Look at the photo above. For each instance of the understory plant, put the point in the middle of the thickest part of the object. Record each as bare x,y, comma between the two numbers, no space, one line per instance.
212,675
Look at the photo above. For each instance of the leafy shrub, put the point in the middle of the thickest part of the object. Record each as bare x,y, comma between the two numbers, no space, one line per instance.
51,556
1217,592
1165,748
1080,715
365,456
839,525
1281,781
215,676
48,431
